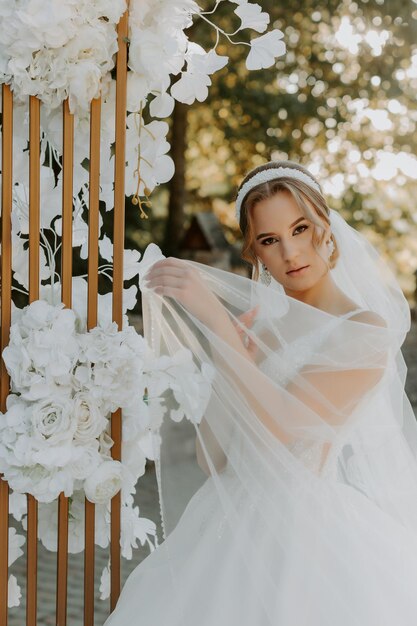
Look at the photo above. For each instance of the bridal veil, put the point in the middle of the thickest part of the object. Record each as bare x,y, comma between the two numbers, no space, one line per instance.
309,451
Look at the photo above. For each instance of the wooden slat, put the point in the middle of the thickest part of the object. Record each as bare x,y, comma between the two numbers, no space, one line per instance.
117,312
34,196
6,291
6,262
93,234
34,236
67,192
66,295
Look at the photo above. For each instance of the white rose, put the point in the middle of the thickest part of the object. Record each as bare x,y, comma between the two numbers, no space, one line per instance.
44,484
53,420
90,420
84,80
105,442
85,460
104,482
47,455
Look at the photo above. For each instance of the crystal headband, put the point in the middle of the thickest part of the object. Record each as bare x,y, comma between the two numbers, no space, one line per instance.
265,176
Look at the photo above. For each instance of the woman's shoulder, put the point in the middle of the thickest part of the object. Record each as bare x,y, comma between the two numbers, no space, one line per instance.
368,317
357,313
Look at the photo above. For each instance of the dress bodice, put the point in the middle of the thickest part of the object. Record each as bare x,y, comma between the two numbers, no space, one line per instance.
295,354
282,366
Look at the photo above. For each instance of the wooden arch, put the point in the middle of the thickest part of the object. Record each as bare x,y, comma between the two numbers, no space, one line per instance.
66,282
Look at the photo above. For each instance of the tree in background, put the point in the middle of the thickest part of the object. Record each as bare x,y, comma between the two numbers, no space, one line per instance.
342,101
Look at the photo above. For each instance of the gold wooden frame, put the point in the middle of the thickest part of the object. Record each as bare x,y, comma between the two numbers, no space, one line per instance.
66,294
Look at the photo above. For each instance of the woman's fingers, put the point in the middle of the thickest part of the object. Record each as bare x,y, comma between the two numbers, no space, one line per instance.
172,282
248,317
247,320
164,271
171,292
167,276
171,263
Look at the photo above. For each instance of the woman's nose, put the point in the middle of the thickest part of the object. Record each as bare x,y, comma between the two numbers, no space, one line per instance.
289,250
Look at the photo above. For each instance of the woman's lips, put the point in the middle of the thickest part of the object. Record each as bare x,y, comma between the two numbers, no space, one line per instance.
299,271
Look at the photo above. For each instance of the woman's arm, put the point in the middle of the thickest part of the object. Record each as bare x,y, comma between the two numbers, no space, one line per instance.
327,393
330,394
337,392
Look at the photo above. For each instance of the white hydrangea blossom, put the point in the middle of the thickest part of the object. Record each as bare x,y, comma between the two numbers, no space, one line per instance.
57,51
55,432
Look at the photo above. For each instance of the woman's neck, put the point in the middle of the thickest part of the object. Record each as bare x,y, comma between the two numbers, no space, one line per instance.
324,295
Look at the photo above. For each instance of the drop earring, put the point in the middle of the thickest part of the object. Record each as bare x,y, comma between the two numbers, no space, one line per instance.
265,275
330,248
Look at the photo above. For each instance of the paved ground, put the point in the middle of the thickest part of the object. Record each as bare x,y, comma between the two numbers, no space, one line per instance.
147,497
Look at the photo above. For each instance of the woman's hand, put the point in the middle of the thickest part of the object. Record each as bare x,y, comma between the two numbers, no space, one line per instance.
174,278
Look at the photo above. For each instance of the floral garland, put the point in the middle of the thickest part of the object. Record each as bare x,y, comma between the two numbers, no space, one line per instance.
65,379
58,50
68,50
55,433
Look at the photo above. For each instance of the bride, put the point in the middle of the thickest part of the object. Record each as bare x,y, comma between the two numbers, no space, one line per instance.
305,438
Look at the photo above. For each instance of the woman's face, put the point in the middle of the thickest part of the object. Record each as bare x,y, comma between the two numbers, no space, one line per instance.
283,242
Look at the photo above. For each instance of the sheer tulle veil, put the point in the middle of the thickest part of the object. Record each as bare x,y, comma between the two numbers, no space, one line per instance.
311,445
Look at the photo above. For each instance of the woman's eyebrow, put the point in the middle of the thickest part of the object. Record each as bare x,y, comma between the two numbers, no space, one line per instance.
300,219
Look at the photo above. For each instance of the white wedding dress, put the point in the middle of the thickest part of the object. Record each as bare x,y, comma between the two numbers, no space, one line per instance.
199,575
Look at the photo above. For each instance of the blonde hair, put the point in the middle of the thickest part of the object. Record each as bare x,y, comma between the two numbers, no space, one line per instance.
302,193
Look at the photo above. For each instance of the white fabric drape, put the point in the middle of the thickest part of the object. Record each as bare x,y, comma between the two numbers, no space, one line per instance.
309,515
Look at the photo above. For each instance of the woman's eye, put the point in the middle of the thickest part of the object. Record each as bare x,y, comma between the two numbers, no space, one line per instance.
303,226
269,240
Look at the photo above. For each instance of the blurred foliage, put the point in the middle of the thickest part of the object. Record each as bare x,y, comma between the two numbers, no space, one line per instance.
342,101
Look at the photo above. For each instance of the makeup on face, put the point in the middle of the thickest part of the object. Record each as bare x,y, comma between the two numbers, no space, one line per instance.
300,225
283,242
298,272
300,219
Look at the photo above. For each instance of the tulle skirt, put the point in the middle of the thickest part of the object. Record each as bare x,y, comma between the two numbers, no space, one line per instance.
355,566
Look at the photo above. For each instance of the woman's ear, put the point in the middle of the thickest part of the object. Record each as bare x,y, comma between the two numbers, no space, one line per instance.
327,233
